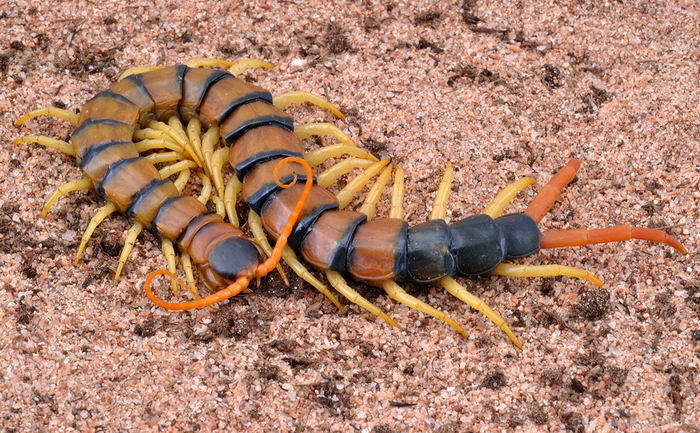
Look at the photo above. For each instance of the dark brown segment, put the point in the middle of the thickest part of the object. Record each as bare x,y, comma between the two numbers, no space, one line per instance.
165,88
195,87
251,115
327,243
109,105
125,178
148,201
277,210
194,226
132,88
100,131
259,183
176,214
225,96
376,249
208,237
96,160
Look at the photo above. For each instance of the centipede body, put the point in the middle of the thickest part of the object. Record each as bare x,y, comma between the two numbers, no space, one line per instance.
333,240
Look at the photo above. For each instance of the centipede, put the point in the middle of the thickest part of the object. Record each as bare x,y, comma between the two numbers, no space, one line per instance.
193,117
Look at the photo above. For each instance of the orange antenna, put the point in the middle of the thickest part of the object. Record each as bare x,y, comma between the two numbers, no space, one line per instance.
259,271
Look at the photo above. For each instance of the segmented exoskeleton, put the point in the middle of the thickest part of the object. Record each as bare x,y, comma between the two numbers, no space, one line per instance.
336,241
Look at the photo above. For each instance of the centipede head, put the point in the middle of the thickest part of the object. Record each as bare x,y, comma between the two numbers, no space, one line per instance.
230,259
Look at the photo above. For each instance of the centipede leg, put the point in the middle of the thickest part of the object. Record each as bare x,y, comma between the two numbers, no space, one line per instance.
182,179
96,220
160,157
51,142
74,185
495,207
233,187
544,200
171,169
49,111
396,210
339,284
579,237
129,243
319,156
158,143
510,270
205,193
290,258
138,70
255,224
346,195
194,134
174,131
323,128
330,176
189,275
398,294
369,207
166,246
440,204
297,97
461,293
242,65
209,140
218,160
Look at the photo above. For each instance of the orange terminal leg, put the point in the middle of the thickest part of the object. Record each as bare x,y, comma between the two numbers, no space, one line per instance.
544,200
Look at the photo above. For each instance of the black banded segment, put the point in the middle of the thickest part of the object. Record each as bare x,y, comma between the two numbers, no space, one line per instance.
281,121
243,167
94,152
257,200
99,157
195,86
142,195
522,237
477,244
113,171
99,131
306,223
339,258
428,252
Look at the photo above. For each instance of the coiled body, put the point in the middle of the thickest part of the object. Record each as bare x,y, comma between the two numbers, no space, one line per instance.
259,134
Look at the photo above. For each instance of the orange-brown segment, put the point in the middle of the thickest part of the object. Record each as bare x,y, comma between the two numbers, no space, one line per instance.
225,95
175,216
99,131
148,202
125,178
276,213
165,88
108,105
194,226
132,88
253,114
98,158
374,253
330,236
208,237
194,88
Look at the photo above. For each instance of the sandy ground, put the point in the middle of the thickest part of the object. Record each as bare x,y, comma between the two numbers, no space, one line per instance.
501,91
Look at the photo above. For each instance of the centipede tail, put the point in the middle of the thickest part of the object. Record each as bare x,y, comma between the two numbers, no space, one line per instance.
274,179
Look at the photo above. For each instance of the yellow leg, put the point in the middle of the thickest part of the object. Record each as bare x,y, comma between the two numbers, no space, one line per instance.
233,187
178,133
509,270
290,258
297,97
158,143
51,142
218,160
495,207
189,275
328,177
166,245
209,141
74,185
96,220
208,62
205,193
323,128
463,294
369,207
339,284
182,179
138,70
160,157
148,134
440,204
220,208
194,135
398,294
171,169
131,237
318,156
242,65
346,195
397,195
49,111
255,224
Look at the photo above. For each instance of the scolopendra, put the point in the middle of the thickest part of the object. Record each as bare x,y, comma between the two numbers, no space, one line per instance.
267,155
